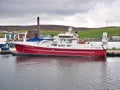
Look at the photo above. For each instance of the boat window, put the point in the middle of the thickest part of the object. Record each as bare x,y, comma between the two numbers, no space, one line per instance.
68,45
65,36
54,44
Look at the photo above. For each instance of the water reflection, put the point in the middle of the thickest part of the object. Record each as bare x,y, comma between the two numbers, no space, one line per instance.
65,59
59,73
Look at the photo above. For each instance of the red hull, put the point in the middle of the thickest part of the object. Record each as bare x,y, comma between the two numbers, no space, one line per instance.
25,49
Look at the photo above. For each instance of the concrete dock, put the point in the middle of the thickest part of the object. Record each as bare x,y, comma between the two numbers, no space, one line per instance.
113,53
10,51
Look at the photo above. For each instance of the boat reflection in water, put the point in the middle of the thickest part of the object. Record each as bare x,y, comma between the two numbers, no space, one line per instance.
58,58
61,73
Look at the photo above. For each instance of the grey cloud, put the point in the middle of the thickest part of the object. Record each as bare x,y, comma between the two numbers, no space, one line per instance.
82,11
65,7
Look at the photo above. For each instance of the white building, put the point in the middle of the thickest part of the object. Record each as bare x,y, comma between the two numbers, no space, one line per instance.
115,38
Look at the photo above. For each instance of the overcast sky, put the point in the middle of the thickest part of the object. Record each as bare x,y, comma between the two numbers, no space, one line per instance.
78,13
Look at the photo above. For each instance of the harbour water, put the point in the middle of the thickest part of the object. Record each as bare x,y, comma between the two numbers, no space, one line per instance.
59,73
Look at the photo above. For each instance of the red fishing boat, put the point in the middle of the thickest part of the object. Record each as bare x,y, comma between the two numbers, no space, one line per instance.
66,44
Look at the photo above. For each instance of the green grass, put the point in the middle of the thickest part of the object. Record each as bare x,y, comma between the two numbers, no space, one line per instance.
98,32
95,33
1,35
51,32
84,33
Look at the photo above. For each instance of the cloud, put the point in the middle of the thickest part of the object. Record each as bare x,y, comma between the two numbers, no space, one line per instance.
66,7
81,13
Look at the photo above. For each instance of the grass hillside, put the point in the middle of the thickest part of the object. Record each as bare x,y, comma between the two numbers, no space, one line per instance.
111,31
56,29
93,33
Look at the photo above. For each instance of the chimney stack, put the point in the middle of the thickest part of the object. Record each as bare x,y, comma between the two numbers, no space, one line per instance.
38,26
38,21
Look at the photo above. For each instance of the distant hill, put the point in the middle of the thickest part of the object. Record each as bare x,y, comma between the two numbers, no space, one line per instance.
42,27
55,29
96,33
